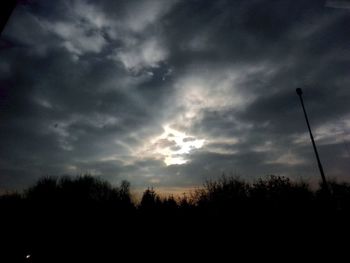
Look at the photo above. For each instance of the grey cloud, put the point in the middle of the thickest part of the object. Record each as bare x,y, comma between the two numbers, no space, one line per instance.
338,4
90,86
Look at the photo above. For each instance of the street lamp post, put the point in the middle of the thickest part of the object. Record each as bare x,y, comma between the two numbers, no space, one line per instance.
324,182
6,8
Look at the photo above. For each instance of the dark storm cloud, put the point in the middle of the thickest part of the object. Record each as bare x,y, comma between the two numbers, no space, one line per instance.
130,89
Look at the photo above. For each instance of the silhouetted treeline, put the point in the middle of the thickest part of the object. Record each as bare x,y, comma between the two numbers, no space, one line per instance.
225,195
84,214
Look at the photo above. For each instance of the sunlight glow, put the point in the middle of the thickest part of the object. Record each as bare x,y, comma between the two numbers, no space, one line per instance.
174,145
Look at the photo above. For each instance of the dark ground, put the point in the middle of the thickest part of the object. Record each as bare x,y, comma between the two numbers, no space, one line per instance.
85,219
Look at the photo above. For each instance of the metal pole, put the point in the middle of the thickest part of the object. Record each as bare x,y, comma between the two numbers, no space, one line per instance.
6,8
300,92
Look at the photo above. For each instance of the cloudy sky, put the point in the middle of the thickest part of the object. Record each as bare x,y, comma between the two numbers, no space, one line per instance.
168,93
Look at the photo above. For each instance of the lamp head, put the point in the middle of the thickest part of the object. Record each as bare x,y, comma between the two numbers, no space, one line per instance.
299,91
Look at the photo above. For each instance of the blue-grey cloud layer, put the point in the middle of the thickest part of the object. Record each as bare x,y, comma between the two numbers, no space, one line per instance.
92,87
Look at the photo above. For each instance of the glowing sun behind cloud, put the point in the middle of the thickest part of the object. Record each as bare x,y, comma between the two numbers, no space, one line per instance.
174,146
